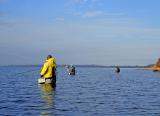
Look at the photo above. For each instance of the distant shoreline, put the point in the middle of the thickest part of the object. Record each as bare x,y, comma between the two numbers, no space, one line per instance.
96,66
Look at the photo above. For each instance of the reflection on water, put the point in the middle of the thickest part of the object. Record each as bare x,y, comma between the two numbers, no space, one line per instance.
48,93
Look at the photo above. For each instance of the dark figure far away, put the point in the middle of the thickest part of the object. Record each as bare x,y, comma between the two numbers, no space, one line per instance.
117,69
71,70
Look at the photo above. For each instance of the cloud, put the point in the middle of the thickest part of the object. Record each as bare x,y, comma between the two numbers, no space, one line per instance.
89,14
85,0
7,24
59,19
2,1
2,14
115,14
92,14
108,39
13,23
79,1
82,1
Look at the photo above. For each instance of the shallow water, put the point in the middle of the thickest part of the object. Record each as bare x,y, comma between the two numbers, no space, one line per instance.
92,91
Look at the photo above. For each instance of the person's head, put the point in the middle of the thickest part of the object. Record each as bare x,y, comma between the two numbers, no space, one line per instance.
117,66
49,56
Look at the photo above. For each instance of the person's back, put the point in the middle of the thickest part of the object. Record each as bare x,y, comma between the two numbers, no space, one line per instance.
71,70
117,69
48,70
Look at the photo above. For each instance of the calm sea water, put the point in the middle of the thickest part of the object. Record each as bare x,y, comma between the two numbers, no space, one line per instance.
91,92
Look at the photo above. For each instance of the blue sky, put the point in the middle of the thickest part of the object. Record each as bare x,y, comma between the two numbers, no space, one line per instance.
104,32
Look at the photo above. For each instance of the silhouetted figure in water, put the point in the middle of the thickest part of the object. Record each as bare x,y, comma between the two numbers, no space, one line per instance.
71,70
117,69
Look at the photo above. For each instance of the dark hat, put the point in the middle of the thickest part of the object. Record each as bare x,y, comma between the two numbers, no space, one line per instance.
49,56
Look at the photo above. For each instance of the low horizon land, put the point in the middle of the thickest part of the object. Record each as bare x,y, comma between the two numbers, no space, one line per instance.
85,65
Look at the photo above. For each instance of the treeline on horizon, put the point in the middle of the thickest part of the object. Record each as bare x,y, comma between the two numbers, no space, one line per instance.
92,65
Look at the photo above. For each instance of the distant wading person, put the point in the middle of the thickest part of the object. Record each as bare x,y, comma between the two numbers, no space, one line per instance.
71,70
48,71
117,69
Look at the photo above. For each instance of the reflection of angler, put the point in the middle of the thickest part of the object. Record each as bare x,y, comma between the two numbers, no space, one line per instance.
117,69
48,94
71,70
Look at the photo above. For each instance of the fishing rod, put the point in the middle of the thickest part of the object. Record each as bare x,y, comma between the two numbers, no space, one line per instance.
28,71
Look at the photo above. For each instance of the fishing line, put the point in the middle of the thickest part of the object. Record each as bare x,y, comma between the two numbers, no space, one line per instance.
22,73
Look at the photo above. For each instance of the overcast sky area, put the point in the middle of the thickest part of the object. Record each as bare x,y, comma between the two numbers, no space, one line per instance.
102,32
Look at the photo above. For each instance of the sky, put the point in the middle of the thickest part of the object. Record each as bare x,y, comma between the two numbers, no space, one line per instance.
101,32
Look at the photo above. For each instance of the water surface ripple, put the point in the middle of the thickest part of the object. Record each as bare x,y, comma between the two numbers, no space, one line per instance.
91,92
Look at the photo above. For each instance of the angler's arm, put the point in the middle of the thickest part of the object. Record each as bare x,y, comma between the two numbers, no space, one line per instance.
44,69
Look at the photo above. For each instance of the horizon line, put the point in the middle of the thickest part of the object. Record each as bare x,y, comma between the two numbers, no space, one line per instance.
96,65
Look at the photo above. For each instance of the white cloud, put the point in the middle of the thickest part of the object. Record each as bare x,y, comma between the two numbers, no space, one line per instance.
2,1
115,14
89,14
7,24
1,14
92,14
59,19
79,1
83,1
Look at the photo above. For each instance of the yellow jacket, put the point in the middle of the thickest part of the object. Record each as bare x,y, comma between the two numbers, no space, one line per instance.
49,67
